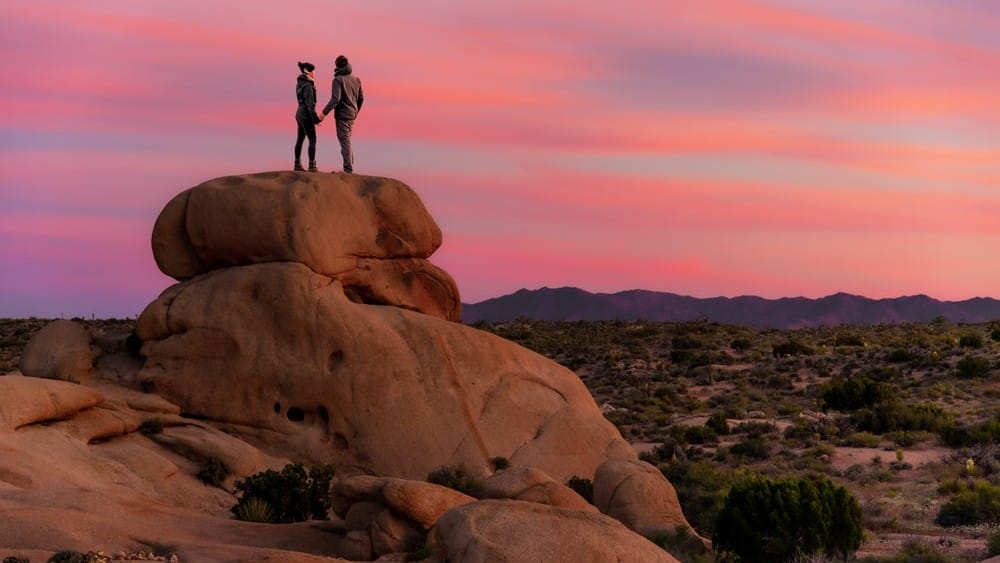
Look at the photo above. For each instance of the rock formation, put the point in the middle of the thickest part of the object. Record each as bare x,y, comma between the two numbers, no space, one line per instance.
308,325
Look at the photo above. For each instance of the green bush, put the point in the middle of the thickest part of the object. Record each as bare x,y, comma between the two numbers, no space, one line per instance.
213,472
701,488
718,423
974,506
694,434
682,544
756,448
962,436
973,366
993,544
13,559
583,486
743,344
456,477
855,393
901,355
791,348
971,341
913,552
775,521
895,417
293,494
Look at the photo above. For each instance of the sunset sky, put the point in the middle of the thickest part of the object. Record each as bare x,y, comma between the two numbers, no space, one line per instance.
718,147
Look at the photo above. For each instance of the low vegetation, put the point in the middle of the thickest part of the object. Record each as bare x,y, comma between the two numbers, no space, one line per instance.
294,494
890,413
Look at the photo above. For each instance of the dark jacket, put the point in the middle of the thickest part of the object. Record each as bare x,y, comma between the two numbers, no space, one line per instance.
347,97
305,92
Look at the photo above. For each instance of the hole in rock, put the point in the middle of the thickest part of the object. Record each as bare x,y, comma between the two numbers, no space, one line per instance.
295,414
340,441
336,358
277,407
323,415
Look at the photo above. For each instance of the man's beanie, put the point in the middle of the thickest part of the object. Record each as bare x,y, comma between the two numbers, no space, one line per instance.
341,61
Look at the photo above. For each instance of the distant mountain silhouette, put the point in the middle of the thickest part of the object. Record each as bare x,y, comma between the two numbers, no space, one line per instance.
573,304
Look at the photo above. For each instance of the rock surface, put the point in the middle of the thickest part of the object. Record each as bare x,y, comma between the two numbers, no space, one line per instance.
279,347
638,495
497,531
373,232
310,327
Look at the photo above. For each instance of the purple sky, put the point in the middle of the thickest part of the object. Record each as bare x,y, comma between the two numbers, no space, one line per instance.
766,147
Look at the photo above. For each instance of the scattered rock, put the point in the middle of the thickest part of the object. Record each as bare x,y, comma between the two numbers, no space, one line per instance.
61,350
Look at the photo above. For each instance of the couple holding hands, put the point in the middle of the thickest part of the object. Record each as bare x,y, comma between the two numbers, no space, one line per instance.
345,103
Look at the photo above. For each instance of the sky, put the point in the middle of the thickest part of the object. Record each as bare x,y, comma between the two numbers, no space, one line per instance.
776,148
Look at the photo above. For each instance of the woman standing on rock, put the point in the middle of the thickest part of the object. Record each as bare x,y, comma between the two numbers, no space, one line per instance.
306,116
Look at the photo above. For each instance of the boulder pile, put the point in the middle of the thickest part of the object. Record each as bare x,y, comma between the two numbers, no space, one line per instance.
308,325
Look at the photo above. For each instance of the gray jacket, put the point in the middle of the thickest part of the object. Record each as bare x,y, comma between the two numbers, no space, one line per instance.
347,97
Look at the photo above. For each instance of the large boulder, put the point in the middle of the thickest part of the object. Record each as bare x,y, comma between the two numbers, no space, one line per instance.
498,531
281,348
373,232
61,350
638,495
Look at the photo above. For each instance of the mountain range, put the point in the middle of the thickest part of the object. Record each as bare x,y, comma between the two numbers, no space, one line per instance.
574,304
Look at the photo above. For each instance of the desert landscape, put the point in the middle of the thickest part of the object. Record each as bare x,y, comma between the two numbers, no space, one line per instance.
660,383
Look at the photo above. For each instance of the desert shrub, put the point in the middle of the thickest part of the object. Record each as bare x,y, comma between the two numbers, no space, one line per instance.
971,341
854,393
777,520
718,423
694,434
860,440
976,505
973,366
743,344
213,471
914,551
791,348
907,438
151,426
456,477
848,340
995,335
993,544
583,486
294,494
701,488
960,436
755,448
893,417
13,559
682,544
254,510
901,355
755,428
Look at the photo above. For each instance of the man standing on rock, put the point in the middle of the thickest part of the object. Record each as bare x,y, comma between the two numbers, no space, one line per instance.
345,102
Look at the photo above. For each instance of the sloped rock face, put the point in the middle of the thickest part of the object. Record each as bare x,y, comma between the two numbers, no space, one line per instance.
372,233
279,347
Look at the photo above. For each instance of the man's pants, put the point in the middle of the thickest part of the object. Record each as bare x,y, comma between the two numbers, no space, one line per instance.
344,136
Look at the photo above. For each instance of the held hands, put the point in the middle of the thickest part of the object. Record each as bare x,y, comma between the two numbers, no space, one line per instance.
320,117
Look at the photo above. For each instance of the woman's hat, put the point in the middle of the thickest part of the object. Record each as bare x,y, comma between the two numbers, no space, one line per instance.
306,67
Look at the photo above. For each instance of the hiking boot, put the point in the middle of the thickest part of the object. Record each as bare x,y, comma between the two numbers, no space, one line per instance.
298,167
312,166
